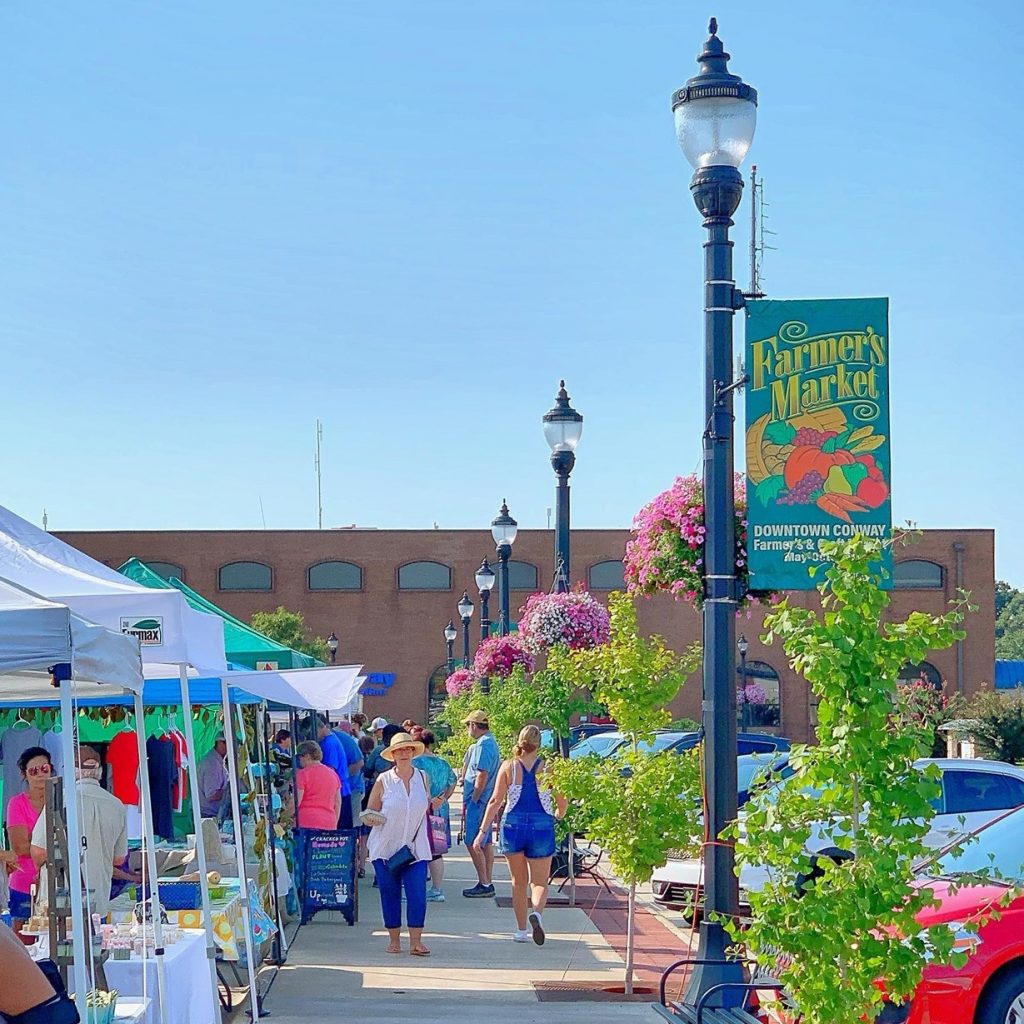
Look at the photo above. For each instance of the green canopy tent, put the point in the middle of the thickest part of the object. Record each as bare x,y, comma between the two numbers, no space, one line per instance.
242,644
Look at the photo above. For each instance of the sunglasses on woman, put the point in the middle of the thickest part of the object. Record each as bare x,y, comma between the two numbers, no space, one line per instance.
39,769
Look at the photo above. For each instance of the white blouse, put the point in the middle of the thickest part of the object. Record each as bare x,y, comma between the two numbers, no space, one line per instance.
406,814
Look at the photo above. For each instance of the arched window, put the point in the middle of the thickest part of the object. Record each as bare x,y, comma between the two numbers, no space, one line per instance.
606,576
436,693
245,576
923,671
917,574
757,696
522,576
424,576
167,570
334,576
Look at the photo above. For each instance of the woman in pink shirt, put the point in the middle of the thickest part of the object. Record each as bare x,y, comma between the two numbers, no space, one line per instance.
318,790
22,813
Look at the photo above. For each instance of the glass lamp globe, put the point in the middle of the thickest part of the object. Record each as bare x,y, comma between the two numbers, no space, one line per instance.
503,527
466,606
450,632
563,425
715,112
484,577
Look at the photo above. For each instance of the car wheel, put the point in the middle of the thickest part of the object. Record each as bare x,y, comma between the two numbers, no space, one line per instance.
1003,1001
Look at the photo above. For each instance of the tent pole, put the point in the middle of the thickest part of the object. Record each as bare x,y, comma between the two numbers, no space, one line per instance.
272,834
149,841
197,824
236,815
68,745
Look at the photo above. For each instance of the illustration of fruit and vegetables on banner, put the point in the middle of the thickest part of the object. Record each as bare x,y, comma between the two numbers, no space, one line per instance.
817,441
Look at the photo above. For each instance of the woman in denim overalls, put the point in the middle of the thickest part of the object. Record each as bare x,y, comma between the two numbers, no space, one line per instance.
527,831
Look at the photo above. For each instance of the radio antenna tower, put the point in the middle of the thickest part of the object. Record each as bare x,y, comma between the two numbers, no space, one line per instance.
758,247
319,489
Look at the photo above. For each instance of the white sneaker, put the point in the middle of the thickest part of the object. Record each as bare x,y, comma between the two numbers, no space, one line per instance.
523,936
537,925
435,896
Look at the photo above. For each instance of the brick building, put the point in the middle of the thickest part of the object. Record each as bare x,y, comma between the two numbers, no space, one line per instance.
388,594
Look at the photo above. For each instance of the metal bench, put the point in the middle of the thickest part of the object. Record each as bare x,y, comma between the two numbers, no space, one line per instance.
702,1013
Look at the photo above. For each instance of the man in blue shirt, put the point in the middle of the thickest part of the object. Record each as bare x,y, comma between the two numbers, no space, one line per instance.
334,757
482,763
354,760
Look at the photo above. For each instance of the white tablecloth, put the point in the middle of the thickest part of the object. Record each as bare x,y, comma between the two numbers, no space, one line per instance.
189,998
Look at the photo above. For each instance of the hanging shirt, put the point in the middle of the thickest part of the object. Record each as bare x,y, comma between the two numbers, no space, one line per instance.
13,744
123,759
181,763
52,743
162,774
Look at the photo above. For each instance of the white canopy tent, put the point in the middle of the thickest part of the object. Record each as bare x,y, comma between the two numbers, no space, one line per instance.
37,636
171,633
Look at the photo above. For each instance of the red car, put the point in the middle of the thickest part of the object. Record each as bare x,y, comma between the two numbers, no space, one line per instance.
989,989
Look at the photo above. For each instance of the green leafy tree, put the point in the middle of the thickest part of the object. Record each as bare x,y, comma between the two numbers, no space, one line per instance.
637,806
999,725
289,628
1009,622
838,935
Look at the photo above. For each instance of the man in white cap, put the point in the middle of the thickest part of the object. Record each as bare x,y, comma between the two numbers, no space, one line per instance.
375,762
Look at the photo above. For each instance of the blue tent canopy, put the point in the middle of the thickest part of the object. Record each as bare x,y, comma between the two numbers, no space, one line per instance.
157,692
1009,674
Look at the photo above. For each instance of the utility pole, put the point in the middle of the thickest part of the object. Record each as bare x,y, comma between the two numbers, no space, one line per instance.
319,490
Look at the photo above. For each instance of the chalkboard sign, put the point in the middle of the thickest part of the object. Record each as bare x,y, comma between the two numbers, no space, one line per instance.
329,872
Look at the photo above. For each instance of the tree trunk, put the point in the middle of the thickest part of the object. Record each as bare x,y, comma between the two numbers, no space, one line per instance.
630,938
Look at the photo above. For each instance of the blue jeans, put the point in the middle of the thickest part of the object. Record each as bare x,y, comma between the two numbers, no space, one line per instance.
414,878
528,833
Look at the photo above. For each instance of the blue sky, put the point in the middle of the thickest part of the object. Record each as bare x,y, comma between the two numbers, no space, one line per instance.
222,221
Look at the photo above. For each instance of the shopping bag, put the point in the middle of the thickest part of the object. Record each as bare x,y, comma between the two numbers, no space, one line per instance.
437,833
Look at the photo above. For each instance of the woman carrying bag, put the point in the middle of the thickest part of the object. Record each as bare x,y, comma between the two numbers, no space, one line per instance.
399,846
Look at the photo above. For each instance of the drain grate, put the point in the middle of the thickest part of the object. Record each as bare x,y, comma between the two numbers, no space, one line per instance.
589,992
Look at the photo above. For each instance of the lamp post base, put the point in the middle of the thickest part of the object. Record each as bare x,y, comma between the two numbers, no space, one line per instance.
714,945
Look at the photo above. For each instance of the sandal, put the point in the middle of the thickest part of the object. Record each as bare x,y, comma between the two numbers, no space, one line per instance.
391,950
420,951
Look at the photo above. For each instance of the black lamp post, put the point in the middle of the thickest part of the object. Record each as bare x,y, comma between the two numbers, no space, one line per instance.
715,114
332,646
742,646
503,530
465,613
485,583
450,633
563,427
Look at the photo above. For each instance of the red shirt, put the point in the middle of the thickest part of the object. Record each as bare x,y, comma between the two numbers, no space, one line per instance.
123,758
320,787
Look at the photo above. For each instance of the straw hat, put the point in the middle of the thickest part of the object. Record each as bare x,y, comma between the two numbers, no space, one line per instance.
402,739
477,718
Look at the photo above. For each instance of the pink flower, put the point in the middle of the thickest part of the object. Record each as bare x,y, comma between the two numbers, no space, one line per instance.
574,620
461,680
499,655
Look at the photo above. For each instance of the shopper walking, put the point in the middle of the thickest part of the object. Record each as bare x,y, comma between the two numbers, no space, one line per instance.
398,844
527,830
442,784
22,814
317,790
481,768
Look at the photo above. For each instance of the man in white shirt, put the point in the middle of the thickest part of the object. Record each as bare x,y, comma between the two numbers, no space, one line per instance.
103,826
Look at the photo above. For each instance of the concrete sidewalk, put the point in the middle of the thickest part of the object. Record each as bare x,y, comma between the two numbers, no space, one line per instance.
476,973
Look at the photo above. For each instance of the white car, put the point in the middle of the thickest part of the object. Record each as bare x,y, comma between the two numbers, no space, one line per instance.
973,792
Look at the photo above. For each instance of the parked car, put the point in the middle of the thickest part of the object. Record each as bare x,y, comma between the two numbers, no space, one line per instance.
973,792
585,729
606,743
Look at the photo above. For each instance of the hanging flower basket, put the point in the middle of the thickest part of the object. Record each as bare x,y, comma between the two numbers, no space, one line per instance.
462,680
499,655
752,693
574,620
666,551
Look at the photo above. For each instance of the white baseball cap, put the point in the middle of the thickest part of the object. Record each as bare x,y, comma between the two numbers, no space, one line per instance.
378,723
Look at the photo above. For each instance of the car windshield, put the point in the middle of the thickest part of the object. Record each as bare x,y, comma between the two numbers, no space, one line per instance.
602,744
748,768
660,742
997,848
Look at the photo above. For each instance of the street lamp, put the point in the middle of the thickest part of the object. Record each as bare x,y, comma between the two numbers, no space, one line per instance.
742,646
563,427
466,613
332,646
503,530
450,633
715,114
485,583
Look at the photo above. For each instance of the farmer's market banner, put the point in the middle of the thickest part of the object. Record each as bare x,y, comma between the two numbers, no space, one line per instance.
817,432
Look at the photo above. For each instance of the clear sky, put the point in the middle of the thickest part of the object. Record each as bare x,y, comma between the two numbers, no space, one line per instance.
220,221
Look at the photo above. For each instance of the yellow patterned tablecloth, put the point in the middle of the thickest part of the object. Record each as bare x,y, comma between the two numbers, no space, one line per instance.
228,926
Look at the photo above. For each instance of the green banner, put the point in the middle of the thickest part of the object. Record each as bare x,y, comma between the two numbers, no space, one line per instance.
817,448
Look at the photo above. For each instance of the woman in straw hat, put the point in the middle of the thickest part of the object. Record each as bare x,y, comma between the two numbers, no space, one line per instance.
527,830
399,846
